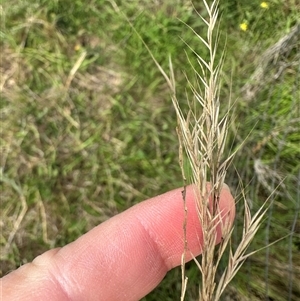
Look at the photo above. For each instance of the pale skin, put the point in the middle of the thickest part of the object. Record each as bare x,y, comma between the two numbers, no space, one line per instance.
123,258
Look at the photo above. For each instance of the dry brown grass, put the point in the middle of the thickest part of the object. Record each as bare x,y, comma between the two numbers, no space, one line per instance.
202,133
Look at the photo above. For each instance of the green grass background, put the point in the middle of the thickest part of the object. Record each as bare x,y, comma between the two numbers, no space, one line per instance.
77,148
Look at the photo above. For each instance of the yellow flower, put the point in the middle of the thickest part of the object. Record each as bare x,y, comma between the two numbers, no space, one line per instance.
77,47
244,26
264,5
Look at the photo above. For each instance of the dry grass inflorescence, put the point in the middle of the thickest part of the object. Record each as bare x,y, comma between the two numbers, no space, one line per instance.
88,130
202,133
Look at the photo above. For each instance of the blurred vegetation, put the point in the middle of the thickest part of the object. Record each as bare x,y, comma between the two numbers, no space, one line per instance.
88,128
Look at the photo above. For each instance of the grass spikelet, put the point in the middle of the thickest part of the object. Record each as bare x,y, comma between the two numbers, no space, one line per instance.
202,133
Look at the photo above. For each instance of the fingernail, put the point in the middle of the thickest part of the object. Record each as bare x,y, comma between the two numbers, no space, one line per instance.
225,186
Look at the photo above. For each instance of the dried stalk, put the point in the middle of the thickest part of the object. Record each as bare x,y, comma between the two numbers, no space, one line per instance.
202,133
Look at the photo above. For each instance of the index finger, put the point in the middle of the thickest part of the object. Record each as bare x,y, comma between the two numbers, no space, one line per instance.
123,258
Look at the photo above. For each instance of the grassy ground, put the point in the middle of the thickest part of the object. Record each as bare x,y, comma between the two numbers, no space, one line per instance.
88,128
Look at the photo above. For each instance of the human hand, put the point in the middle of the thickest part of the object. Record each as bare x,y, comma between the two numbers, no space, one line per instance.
123,258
